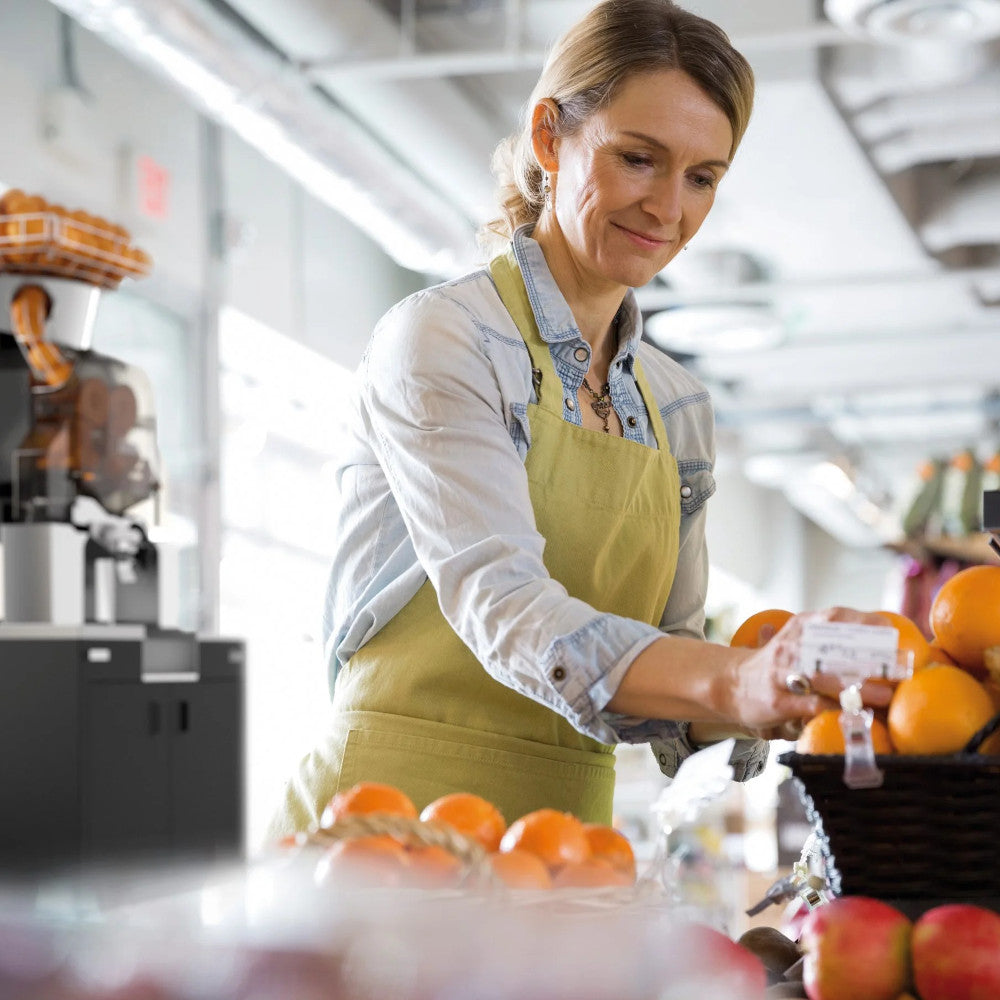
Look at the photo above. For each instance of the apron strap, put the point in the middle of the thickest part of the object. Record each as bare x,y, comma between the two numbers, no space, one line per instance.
510,286
655,420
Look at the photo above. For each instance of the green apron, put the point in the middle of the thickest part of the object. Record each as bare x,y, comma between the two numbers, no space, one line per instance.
414,708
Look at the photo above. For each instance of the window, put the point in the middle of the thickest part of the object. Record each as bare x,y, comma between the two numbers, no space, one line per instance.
283,415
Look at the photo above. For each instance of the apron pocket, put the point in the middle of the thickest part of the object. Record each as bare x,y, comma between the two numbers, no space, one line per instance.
517,781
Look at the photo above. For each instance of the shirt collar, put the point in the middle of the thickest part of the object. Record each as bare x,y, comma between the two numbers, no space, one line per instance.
553,316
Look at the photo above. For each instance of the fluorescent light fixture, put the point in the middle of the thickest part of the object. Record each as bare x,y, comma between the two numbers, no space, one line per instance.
715,329
275,110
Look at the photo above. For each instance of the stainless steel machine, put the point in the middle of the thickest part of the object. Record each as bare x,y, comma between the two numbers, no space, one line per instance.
128,730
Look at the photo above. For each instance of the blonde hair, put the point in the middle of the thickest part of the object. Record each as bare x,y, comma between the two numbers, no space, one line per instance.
587,67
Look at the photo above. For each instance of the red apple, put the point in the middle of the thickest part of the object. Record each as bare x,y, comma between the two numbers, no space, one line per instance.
855,948
956,953
704,962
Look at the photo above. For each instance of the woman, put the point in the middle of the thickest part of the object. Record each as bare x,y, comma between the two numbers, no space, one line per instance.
521,566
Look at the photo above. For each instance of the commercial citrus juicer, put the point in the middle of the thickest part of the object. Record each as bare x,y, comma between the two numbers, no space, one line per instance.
128,728
78,447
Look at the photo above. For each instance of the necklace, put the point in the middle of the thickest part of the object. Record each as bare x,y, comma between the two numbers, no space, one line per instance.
600,403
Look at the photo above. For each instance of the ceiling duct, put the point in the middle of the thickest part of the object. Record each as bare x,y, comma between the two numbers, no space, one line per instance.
253,91
429,123
910,21
945,143
974,100
968,215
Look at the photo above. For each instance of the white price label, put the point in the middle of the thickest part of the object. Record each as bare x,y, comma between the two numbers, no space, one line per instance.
848,650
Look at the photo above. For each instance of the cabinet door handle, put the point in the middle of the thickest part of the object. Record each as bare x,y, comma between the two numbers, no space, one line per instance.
154,718
183,716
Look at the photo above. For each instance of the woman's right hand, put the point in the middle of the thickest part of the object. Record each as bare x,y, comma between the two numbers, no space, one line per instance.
764,684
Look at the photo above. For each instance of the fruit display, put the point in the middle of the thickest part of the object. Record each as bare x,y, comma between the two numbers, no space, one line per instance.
858,948
38,237
370,835
955,687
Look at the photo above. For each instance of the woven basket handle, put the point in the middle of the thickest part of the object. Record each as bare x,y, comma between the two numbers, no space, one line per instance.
982,735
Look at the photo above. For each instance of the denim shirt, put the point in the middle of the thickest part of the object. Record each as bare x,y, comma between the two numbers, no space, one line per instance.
432,485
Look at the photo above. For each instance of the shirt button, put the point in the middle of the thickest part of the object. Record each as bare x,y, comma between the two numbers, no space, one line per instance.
580,354
570,405
558,674
632,421
663,759
686,491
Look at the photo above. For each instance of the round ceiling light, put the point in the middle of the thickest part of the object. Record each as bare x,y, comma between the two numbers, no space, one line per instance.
715,329
918,20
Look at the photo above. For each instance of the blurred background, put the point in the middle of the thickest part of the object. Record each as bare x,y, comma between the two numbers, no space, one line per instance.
295,167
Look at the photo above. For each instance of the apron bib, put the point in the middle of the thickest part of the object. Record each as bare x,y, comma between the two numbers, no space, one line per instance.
415,709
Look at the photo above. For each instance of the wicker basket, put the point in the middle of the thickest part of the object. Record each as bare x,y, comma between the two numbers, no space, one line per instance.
929,834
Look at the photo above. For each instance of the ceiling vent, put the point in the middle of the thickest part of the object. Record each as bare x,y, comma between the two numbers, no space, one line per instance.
902,21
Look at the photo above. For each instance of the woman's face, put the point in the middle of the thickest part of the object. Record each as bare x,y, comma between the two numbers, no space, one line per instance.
636,182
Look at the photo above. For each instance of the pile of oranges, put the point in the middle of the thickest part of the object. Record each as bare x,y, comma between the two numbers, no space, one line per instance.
544,849
955,687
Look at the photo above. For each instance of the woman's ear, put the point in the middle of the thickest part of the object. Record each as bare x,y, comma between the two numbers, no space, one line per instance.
543,138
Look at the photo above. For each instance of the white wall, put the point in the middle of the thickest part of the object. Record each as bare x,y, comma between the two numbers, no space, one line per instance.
303,270
756,536
860,578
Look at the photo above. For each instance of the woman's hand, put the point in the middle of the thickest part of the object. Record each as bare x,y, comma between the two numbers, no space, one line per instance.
725,691
766,689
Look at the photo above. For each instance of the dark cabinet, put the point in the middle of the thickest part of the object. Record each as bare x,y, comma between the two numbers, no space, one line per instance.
115,763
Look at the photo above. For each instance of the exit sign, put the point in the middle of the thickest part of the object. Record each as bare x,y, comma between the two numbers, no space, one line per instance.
146,190
152,187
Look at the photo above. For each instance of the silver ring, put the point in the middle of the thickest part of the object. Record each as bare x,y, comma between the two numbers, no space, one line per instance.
798,684
794,728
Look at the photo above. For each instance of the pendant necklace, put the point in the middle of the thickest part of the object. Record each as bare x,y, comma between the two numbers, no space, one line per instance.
600,403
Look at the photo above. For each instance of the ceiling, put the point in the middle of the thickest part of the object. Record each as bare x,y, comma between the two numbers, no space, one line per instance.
862,212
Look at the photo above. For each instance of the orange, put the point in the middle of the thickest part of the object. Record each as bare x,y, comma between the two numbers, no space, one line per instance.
938,654
911,639
591,873
937,710
433,867
965,615
558,838
470,814
519,869
749,633
370,860
612,846
822,734
367,797
991,745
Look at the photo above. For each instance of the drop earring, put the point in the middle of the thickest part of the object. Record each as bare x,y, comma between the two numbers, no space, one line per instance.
546,190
